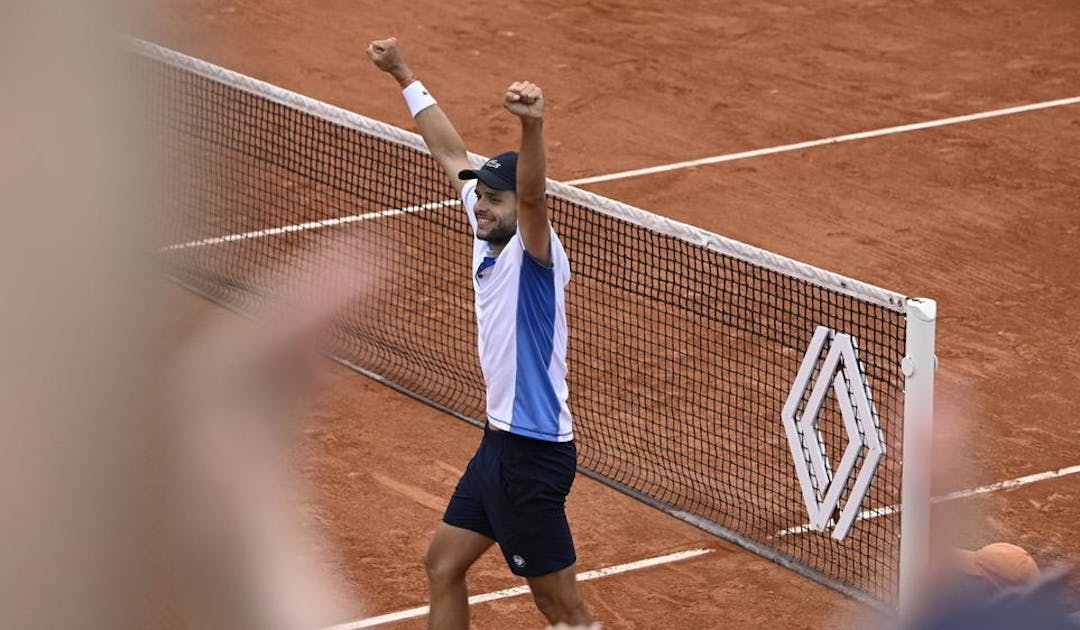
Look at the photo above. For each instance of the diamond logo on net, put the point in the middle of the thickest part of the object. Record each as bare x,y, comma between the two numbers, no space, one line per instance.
822,487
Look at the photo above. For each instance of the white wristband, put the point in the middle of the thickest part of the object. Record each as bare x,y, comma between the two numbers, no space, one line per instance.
417,97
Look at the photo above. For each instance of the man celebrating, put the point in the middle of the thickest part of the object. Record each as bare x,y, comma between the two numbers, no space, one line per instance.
514,489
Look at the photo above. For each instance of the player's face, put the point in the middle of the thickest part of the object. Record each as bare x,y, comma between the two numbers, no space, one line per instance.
496,214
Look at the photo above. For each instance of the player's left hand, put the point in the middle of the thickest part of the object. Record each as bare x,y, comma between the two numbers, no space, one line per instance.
525,100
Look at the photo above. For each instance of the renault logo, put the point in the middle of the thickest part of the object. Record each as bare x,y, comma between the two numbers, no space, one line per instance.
823,488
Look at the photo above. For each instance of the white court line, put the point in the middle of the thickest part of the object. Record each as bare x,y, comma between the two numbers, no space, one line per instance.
311,225
716,159
420,611
952,496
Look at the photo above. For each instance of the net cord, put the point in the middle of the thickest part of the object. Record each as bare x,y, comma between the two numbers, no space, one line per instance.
662,225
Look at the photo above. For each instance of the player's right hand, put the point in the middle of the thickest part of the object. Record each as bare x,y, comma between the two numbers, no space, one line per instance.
386,55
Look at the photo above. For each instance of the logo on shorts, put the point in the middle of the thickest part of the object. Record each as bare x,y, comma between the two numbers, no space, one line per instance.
519,562
492,164
831,363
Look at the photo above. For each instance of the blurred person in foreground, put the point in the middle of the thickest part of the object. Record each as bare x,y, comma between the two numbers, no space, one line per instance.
995,567
514,489
239,389
997,587
76,325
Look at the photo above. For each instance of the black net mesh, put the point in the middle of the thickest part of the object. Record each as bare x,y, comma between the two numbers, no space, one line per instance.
681,358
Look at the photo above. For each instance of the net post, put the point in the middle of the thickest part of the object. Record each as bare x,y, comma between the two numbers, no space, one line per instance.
919,365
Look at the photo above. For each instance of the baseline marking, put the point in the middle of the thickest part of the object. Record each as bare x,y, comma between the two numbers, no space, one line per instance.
716,159
311,225
952,496
420,611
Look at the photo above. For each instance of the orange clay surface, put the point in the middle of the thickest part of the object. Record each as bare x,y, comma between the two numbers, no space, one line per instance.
983,216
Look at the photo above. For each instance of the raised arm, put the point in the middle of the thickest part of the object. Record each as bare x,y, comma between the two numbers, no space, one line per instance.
442,139
526,101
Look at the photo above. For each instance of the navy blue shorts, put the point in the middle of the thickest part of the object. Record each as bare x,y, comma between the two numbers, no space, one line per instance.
514,492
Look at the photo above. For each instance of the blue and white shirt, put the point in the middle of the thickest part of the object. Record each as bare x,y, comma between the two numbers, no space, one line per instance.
521,325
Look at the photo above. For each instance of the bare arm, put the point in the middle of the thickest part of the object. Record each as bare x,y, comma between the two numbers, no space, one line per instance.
442,139
526,101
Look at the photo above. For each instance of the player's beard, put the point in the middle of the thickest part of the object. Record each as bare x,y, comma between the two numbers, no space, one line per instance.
500,234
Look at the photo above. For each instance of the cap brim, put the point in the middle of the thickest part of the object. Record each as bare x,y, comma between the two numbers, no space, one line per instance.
489,178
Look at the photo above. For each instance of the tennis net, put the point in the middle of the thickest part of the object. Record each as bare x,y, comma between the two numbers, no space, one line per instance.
685,347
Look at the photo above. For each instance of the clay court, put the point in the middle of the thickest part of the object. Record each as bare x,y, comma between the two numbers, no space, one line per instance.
980,214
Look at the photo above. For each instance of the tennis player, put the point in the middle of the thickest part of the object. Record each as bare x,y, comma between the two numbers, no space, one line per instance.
514,489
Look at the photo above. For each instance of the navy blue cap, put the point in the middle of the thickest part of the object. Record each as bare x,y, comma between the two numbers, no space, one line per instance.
500,172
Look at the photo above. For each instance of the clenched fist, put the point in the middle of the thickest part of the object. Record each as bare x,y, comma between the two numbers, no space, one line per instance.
386,55
525,100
